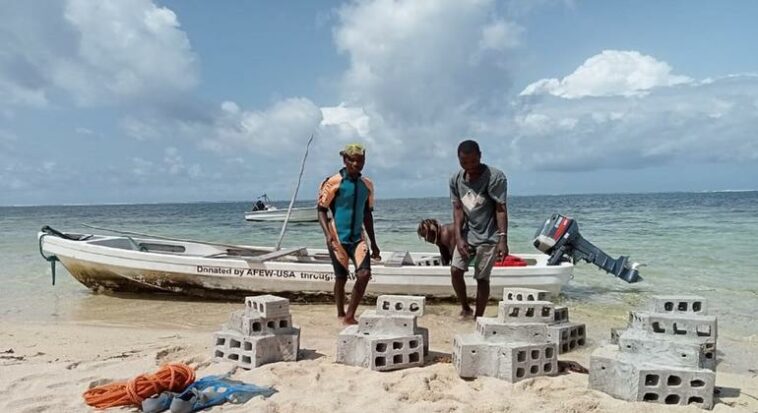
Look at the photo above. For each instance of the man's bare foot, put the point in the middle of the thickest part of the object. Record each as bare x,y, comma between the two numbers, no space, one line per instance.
466,315
349,321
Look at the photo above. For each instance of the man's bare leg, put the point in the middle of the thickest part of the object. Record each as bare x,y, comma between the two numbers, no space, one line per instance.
459,285
361,281
482,296
339,296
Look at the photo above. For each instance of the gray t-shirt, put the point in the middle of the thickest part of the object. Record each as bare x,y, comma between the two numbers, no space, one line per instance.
478,199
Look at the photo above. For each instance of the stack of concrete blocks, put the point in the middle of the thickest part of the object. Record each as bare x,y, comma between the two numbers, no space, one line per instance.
387,338
665,355
261,333
523,341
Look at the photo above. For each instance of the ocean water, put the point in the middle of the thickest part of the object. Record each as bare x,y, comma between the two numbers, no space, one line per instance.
690,243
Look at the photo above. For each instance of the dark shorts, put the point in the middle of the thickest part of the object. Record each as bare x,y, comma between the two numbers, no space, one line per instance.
352,250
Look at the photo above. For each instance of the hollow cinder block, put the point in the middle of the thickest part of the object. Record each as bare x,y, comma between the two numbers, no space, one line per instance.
682,304
628,377
352,348
519,361
474,357
524,294
269,306
400,304
560,314
677,326
676,353
396,352
424,333
382,324
251,323
567,336
492,329
253,351
526,312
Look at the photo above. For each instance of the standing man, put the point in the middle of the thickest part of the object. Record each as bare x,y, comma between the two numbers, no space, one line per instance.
480,219
350,198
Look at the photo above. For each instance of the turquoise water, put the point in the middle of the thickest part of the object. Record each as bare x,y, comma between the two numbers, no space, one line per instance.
691,243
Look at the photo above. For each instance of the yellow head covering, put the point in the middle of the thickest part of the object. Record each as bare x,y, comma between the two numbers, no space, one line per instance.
352,149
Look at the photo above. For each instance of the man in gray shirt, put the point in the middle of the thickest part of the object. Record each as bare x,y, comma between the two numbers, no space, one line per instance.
480,219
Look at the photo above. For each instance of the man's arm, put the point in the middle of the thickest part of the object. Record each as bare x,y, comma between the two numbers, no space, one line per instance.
458,218
501,216
323,220
368,223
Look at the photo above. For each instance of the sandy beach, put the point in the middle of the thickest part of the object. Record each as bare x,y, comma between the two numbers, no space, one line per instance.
46,366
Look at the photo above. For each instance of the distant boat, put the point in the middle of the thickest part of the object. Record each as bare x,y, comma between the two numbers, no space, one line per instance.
263,210
148,264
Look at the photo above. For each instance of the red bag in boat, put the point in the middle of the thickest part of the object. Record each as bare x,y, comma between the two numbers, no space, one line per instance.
511,261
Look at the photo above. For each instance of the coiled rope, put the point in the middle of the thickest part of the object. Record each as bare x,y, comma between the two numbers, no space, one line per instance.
173,377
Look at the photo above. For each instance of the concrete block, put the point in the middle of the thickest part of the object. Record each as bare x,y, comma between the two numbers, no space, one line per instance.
567,336
677,326
251,323
560,314
269,306
473,356
524,294
615,332
352,348
396,352
632,379
686,304
400,304
526,312
424,333
386,324
492,329
659,351
253,351
519,361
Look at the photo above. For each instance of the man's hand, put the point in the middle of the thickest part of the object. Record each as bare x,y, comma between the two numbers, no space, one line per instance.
462,247
502,249
375,253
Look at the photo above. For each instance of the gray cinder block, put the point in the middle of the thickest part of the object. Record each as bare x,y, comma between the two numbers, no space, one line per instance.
251,323
677,326
560,314
424,333
524,294
352,348
473,356
269,306
567,336
396,352
400,304
382,324
632,379
492,329
526,312
687,304
519,361
253,351
659,351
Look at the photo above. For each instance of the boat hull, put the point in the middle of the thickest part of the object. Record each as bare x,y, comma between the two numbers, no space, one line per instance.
105,264
278,215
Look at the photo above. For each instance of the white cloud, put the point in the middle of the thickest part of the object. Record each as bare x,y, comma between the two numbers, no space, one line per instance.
279,129
696,122
610,73
95,51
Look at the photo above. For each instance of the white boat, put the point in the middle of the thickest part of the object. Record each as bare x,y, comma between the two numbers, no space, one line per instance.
273,214
155,265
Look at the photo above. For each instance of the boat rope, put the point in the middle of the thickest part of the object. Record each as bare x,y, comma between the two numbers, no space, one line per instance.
173,377
294,195
52,258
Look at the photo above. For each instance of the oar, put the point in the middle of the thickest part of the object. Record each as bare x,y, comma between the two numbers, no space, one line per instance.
294,195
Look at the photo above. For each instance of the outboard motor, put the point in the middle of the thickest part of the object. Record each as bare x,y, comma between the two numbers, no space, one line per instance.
559,237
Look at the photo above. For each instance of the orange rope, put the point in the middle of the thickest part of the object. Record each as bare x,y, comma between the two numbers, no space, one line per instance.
172,377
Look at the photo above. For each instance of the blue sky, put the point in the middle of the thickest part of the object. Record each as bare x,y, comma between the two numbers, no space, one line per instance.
181,101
